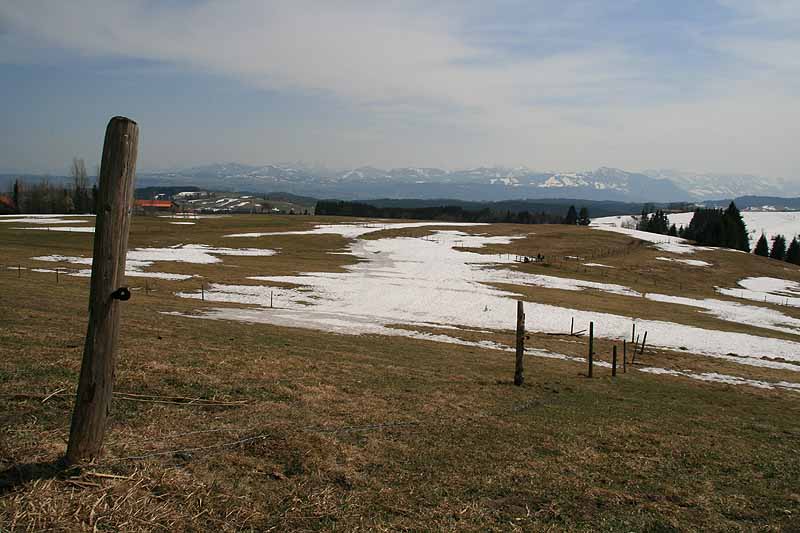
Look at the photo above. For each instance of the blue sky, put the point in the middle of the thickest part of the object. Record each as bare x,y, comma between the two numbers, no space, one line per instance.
708,86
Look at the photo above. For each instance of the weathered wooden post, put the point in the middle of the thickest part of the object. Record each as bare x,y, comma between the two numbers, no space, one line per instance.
519,379
57,269
270,299
591,348
96,383
624,357
572,326
19,271
644,341
633,332
614,361
202,291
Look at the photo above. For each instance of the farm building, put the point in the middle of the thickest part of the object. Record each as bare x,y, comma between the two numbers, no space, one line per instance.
146,207
6,205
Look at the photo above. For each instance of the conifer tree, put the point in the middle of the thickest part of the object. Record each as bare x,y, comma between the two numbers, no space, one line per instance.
673,231
762,248
793,252
778,248
572,216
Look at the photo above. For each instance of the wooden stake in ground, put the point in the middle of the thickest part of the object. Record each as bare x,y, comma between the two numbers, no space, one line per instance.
519,379
591,348
624,356
115,198
614,362
644,341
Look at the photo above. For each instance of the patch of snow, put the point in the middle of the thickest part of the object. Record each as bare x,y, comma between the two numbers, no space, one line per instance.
752,315
764,289
600,265
184,223
431,282
38,220
714,377
665,243
690,262
71,229
352,231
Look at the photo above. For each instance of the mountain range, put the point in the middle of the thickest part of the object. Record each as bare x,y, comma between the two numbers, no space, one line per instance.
474,184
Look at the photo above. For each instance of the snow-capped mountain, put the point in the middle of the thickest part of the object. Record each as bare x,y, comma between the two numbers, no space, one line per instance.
719,186
481,183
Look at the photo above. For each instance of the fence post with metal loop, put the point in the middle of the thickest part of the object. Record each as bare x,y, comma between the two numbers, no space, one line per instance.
107,290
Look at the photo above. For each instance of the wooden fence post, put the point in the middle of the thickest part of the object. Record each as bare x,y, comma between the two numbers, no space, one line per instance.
519,379
644,341
591,347
624,356
614,362
96,382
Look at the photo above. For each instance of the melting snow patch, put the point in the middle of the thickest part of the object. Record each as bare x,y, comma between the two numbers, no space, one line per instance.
690,262
430,282
184,223
141,258
600,265
764,289
664,243
724,378
752,315
71,229
45,220
351,231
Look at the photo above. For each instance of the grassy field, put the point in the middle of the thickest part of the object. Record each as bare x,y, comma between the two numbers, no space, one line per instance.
299,430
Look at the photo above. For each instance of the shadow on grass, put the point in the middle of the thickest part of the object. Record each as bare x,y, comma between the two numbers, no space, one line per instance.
19,474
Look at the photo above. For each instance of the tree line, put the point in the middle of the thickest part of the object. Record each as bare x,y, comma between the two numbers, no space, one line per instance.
449,213
709,227
779,249
45,197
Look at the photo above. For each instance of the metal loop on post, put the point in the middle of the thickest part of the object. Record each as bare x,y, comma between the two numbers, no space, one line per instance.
122,294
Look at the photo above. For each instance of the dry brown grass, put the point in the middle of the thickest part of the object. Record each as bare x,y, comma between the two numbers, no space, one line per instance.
316,431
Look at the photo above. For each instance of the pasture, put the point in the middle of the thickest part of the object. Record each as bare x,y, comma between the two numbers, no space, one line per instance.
363,381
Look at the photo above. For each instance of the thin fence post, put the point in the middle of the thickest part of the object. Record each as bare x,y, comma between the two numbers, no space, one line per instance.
270,299
572,326
644,341
624,356
633,332
202,291
19,271
591,347
614,361
112,225
519,379
57,269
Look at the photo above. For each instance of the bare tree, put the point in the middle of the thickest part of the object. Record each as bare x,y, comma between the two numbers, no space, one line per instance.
80,196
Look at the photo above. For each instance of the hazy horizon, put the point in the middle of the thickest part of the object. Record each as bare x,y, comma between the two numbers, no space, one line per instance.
702,86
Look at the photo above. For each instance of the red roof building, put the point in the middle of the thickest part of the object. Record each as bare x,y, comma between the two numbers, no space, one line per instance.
154,204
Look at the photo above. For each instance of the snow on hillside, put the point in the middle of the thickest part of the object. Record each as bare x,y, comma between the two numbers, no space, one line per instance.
436,283
771,223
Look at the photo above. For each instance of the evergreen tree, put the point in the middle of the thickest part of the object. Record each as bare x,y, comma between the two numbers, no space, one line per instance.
762,248
778,248
572,216
15,196
736,232
793,252
673,231
583,217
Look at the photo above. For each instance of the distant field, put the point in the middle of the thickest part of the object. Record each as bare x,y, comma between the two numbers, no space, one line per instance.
352,374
